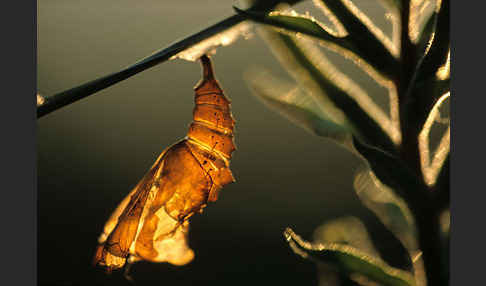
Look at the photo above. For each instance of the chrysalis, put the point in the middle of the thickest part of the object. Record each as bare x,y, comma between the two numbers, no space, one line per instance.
152,222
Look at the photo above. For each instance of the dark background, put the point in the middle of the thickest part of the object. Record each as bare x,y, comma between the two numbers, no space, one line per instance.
91,153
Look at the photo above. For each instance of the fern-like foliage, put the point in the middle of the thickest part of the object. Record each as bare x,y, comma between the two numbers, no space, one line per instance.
403,180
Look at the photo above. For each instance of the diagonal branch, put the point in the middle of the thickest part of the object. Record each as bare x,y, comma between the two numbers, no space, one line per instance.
72,95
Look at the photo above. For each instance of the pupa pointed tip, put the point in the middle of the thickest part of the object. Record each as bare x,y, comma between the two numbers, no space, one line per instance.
207,67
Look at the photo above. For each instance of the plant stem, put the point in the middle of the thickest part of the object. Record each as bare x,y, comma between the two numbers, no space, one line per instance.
409,127
429,241
426,215
441,189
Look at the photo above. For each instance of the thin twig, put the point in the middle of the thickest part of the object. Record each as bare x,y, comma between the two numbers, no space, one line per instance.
69,96
72,95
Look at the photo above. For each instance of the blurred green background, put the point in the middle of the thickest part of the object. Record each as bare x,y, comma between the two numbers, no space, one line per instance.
91,153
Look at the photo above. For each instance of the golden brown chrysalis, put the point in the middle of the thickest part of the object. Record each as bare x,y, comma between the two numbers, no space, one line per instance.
152,222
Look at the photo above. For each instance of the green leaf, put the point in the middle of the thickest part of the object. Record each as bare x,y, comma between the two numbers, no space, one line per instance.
439,48
297,23
372,43
296,105
363,32
328,276
432,73
426,93
362,43
347,231
426,35
387,206
392,172
340,98
432,161
393,212
392,4
349,260
420,13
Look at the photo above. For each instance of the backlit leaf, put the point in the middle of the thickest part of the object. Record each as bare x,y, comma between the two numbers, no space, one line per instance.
296,105
364,45
339,97
346,230
349,260
389,208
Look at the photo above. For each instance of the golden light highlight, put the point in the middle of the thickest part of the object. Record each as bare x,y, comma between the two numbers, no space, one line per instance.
209,45
430,168
340,30
420,12
391,46
40,100
284,10
444,72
